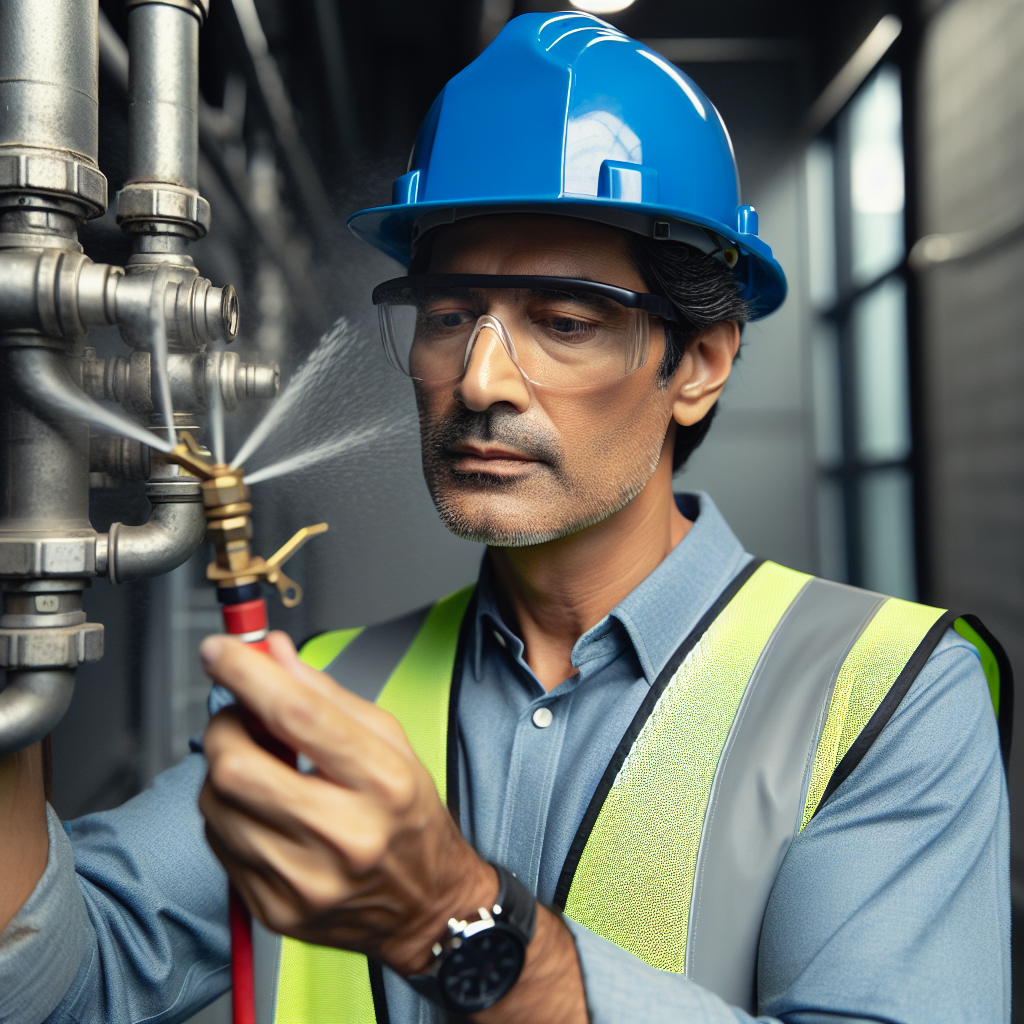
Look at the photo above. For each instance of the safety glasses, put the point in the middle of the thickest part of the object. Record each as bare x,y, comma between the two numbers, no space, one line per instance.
561,332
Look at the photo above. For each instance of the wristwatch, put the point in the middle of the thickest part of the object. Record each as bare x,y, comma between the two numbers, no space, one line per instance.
478,962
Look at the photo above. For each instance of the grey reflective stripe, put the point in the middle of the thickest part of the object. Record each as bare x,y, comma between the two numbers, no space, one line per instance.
266,963
760,785
367,663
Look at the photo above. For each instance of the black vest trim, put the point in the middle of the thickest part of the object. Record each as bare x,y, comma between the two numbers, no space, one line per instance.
1005,685
452,752
639,719
890,702
380,1002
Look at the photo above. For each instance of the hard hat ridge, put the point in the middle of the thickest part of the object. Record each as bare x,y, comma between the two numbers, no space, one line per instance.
565,114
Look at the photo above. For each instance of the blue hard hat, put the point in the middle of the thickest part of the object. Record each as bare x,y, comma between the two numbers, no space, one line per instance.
565,114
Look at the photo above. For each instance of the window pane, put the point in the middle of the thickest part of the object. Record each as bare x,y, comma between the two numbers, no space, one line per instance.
887,536
831,532
821,224
876,176
880,356
828,408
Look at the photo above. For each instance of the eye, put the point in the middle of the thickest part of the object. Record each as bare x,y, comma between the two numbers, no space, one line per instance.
444,320
569,325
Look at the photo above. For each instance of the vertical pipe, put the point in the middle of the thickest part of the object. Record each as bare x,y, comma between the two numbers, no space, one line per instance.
49,76
49,183
163,95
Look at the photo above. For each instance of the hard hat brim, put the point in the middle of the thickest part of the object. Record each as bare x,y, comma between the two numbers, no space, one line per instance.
394,229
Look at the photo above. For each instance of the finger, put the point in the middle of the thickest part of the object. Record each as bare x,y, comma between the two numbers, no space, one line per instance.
247,781
307,721
282,650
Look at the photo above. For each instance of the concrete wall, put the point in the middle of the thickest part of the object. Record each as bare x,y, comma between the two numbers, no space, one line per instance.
972,159
758,460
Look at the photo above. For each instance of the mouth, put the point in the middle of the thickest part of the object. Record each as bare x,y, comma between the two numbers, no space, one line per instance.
491,459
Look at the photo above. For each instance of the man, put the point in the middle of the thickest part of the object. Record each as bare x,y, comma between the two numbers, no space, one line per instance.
747,790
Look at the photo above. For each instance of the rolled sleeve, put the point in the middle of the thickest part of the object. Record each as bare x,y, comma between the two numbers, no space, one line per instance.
43,947
156,898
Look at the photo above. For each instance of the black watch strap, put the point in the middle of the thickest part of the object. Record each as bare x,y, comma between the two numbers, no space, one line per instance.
514,912
518,905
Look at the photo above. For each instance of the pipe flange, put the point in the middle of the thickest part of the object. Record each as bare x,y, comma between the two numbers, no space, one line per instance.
48,556
52,647
141,207
54,174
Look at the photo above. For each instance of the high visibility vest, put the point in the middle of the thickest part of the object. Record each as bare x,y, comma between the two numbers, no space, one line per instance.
760,714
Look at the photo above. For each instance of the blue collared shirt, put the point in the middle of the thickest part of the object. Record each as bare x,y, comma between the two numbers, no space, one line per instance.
893,904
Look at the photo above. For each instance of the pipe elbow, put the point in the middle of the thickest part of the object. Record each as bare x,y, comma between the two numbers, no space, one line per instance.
31,704
175,529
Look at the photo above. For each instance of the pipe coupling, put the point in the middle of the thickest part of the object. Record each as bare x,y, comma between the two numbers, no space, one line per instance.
197,8
52,174
56,292
195,311
151,208
193,376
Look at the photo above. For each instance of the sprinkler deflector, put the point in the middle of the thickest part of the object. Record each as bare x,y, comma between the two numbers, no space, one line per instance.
229,528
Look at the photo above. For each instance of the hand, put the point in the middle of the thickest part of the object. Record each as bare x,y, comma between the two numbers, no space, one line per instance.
361,855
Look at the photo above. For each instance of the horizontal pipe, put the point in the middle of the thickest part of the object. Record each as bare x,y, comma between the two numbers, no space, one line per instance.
173,532
31,704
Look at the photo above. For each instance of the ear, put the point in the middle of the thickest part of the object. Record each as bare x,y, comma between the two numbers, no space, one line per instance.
701,375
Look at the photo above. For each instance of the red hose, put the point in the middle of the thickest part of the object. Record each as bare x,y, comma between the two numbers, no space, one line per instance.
248,621
243,987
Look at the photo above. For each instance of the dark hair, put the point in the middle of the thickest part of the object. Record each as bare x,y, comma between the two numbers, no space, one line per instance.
704,290
701,287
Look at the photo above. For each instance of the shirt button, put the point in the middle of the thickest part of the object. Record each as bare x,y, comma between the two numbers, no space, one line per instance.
542,718
501,640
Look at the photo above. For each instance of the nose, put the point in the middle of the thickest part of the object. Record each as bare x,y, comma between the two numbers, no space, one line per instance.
492,376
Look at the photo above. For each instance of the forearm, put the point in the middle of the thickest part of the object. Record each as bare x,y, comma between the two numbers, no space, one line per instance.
23,840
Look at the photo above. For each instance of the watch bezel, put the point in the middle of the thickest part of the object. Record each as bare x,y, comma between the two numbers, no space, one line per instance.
473,935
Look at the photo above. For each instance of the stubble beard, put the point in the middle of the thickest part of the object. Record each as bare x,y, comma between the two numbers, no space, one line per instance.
510,512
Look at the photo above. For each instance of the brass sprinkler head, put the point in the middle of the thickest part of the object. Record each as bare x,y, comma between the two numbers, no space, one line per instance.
229,526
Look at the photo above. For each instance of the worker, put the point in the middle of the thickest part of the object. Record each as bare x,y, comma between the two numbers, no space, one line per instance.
633,773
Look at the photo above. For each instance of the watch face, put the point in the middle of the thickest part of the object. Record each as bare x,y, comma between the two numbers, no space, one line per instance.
478,973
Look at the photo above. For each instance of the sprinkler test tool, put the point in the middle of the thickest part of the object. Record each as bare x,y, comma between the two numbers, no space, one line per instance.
238,574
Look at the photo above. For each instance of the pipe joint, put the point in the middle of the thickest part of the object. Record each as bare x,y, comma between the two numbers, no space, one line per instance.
175,528
193,376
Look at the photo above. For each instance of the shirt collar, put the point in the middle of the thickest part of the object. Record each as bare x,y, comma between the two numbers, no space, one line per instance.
659,613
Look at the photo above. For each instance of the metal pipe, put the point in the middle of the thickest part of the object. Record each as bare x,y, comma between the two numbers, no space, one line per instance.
31,704
174,530
163,95
38,377
160,204
49,183
44,460
49,96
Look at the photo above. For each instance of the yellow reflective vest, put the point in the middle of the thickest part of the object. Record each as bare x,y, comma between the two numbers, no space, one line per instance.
765,708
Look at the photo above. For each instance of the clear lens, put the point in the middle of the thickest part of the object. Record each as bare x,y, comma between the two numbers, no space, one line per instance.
557,339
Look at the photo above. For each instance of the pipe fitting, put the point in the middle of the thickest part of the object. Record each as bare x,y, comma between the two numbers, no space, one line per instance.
175,528
31,704
121,458
195,311
193,376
